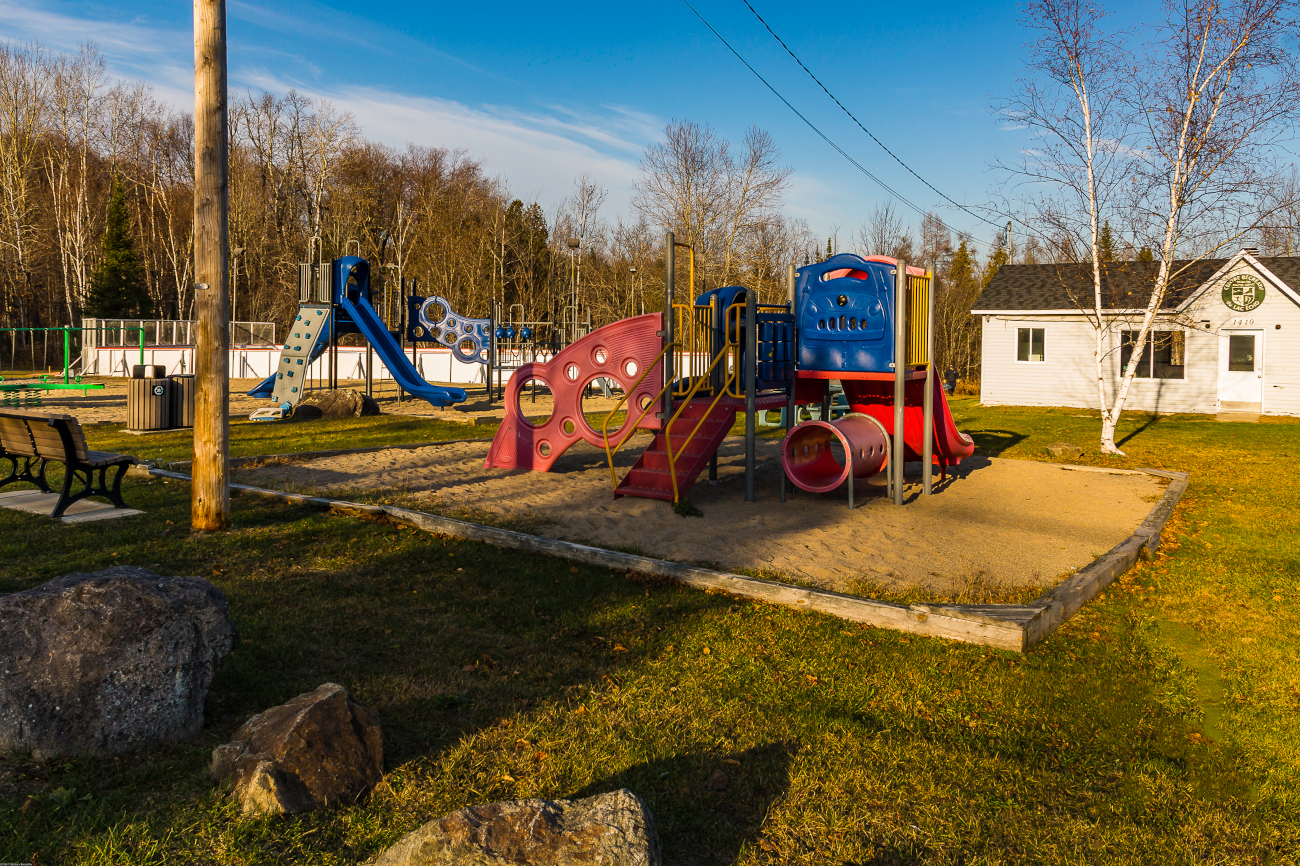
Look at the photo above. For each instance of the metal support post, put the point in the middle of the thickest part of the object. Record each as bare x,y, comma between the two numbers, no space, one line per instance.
790,408
492,353
370,363
927,447
670,244
751,387
900,373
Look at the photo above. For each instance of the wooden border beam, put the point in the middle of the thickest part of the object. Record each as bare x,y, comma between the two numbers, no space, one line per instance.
1005,626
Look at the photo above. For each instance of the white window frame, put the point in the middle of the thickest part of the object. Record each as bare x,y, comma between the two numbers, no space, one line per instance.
1147,356
1015,346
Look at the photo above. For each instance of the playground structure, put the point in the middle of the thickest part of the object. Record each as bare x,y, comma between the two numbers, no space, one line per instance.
687,372
517,341
27,390
335,300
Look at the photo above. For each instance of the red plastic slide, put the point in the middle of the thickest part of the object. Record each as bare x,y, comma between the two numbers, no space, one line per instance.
875,397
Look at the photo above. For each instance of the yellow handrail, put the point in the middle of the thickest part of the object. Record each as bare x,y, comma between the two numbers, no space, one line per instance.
668,433
728,349
632,427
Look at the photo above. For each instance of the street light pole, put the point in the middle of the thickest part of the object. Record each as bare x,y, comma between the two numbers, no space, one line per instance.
631,298
234,285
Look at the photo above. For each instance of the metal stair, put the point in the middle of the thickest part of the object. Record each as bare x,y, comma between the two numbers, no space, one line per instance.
651,476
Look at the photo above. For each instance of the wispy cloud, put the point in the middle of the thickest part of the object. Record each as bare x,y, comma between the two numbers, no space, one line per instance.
538,152
25,23
538,149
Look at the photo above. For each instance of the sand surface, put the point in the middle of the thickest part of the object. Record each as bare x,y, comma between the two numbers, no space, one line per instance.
1004,523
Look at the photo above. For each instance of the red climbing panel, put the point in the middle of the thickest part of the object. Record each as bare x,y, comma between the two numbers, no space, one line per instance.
620,352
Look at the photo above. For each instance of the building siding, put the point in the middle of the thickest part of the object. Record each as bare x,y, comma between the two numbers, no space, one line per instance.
1067,376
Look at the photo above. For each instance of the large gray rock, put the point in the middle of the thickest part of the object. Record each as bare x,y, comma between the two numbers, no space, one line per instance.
1065,449
614,829
121,659
317,749
335,404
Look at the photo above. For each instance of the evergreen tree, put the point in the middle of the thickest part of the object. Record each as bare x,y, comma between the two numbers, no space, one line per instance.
1105,244
999,257
1145,255
117,286
829,250
961,271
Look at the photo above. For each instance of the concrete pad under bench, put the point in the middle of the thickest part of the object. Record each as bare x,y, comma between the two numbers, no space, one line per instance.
81,511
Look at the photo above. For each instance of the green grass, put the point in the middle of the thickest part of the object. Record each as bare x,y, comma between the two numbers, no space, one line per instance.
1161,725
253,438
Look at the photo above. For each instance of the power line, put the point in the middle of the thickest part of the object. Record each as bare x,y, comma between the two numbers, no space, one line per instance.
851,116
824,137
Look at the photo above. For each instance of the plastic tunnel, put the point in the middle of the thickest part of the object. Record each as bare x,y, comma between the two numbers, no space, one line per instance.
809,452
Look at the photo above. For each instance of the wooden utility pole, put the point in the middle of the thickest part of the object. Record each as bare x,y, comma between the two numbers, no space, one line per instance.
210,491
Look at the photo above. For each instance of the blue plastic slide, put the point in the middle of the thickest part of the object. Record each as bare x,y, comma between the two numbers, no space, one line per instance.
395,359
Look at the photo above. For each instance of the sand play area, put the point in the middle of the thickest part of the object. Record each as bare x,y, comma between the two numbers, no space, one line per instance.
995,522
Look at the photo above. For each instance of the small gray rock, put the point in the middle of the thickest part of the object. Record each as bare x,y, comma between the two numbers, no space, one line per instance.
93,664
614,829
314,751
335,404
1065,449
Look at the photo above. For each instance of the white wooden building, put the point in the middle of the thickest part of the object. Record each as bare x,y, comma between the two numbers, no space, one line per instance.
1226,340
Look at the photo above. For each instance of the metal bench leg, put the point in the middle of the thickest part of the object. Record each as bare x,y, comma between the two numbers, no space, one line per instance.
66,497
115,493
25,474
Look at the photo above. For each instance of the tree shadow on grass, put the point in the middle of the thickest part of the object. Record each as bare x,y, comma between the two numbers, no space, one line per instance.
1150,421
994,443
707,805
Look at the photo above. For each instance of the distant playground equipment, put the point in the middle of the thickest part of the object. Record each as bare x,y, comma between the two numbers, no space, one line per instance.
335,300
685,373
516,341
27,390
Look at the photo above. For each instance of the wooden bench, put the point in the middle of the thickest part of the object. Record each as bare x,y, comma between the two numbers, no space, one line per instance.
33,439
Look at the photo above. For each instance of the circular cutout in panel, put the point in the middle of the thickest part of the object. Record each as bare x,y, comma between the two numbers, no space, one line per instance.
572,372
644,402
544,448
535,403
630,368
436,312
600,355
568,426
598,398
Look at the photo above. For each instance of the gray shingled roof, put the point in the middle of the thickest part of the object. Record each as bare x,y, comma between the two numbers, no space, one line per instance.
1125,285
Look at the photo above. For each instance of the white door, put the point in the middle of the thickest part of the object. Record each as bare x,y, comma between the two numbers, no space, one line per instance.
1241,371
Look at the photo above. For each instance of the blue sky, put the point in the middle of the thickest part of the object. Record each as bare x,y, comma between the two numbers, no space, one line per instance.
542,92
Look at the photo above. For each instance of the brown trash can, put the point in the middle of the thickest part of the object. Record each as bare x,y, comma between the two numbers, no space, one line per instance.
148,371
148,404
183,387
